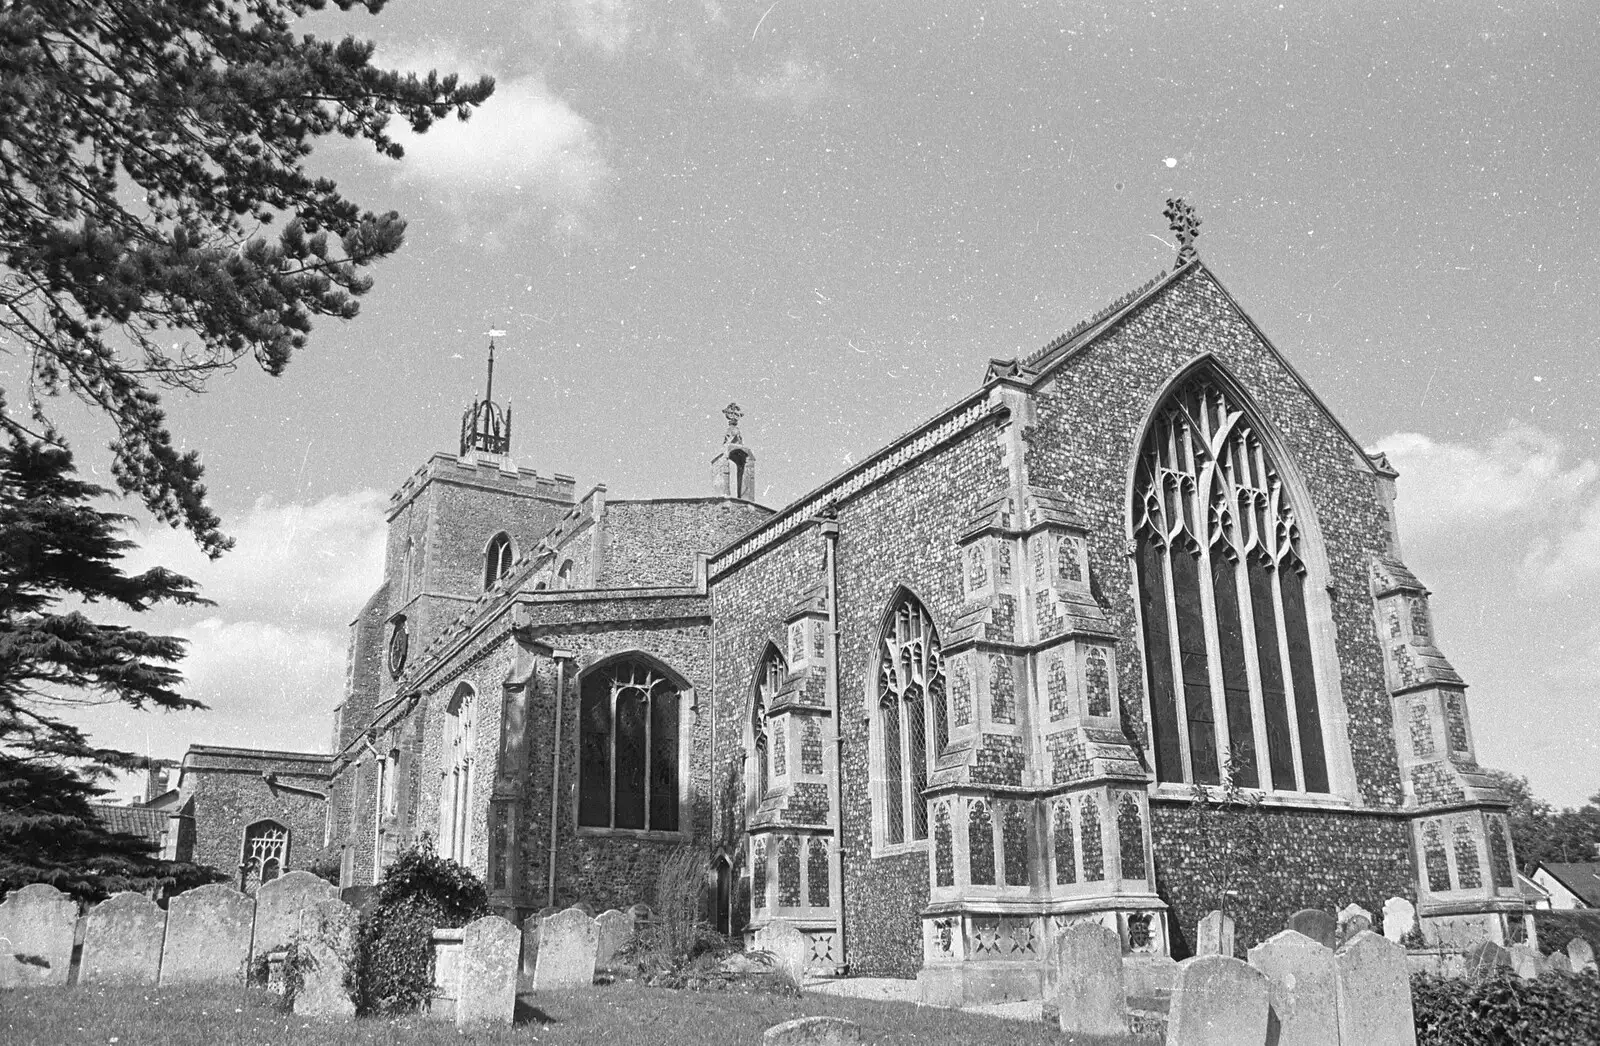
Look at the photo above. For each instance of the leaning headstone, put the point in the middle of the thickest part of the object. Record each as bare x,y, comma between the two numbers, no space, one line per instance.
813,1031
1216,935
1353,920
489,950
39,921
208,936
1089,987
122,941
1527,963
1319,925
1374,992
1399,918
1303,997
279,905
1217,1000
326,943
566,952
612,928
1483,958
1581,954
788,946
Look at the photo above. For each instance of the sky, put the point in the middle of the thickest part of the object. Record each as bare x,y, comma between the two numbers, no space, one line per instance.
836,213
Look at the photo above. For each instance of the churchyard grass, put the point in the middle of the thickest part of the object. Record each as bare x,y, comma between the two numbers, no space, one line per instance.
621,1014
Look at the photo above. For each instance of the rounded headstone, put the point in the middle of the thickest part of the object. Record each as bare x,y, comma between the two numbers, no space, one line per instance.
1090,995
1304,996
490,948
122,941
1374,986
567,942
279,905
1218,1000
1319,925
208,936
39,921
813,1031
1399,918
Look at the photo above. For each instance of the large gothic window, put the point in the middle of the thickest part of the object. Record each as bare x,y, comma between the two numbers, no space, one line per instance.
768,681
1222,593
911,713
266,851
455,796
628,749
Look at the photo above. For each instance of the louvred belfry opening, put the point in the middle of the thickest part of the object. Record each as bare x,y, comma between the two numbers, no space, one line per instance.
1221,579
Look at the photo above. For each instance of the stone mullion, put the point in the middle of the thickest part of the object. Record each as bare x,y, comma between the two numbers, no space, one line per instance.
1291,699
1223,736
1175,653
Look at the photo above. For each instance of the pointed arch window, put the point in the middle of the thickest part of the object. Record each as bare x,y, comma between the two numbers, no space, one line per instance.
768,681
628,749
455,797
1221,581
497,559
911,713
266,854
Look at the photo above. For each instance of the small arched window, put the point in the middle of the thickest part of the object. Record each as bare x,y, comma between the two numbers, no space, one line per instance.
1221,580
497,559
564,575
911,705
455,796
628,748
266,854
768,680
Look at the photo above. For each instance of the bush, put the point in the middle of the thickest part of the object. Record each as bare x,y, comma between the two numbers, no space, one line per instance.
419,893
1557,928
1503,1009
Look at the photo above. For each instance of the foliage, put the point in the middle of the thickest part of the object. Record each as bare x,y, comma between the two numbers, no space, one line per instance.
1541,833
326,869
56,549
1555,929
1227,817
1502,1008
147,144
420,892
680,888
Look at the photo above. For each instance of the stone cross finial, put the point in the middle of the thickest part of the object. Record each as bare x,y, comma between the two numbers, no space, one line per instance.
1185,226
733,414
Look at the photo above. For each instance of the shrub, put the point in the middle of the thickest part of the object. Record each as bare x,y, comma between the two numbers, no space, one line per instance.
1503,1008
418,893
1557,928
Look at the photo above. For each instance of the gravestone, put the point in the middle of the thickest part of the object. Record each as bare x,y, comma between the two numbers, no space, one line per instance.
788,946
566,952
1218,1000
612,928
122,941
641,913
489,949
1558,962
1374,992
1581,954
1353,920
208,936
583,906
1527,963
326,939
1483,958
1089,986
1303,999
39,922
1216,935
813,1031
1319,925
279,905
1399,918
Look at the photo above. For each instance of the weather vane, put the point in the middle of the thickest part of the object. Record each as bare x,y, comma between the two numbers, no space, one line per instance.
1185,226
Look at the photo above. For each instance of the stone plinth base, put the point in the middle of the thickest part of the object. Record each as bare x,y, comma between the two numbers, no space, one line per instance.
977,983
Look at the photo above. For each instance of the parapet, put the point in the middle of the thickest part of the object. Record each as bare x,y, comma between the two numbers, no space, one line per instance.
496,472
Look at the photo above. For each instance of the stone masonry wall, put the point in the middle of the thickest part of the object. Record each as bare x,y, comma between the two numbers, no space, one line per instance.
901,531
655,542
226,801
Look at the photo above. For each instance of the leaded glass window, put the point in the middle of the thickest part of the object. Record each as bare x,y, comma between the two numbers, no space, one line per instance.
628,749
768,681
266,851
911,712
1221,580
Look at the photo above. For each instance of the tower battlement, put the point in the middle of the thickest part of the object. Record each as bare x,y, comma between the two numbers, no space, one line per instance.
485,472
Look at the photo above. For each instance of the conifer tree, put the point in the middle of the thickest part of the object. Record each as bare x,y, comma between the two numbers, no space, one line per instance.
59,554
146,147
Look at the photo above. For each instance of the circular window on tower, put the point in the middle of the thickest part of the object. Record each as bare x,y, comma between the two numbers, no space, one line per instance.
399,643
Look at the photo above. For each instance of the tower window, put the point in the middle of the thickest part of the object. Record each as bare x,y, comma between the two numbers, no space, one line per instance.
497,559
628,749
911,705
1221,581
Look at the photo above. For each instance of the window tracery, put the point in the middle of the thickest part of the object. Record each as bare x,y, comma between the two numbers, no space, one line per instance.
768,681
1221,578
911,706
628,772
266,852
497,559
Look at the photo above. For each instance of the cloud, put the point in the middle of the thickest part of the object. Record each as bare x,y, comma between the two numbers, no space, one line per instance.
605,25
523,141
1521,491
300,565
797,82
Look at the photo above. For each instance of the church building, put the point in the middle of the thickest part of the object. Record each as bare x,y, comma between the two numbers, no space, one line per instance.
1124,634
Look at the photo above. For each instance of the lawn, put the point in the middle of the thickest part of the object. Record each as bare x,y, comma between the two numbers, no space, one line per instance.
621,1014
